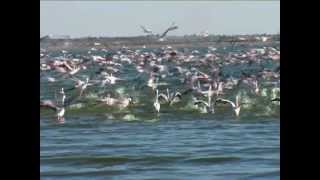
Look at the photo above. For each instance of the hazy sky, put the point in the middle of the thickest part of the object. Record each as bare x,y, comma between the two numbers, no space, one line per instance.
108,18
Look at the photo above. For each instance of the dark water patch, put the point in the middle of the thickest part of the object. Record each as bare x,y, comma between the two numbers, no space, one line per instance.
212,160
158,160
268,175
258,149
83,174
88,160
103,161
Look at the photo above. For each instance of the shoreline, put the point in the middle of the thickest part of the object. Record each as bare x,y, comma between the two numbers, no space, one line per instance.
151,42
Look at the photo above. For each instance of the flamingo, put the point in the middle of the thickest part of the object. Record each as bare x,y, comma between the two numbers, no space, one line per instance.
170,98
156,104
58,105
146,30
236,106
60,111
171,28
81,85
120,102
208,105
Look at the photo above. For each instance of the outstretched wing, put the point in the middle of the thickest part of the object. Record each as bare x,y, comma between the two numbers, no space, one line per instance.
220,100
276,99
199,102
145,29
44,38
48,104
74,78
70,100
175,98
177,95
169,29
162,97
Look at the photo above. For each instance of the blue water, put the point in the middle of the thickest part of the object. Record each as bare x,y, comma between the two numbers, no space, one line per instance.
88,148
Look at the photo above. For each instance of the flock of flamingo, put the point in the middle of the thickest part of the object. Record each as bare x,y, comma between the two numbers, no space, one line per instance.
165,77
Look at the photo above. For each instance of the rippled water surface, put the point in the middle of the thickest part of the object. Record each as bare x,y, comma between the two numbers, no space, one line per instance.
85,148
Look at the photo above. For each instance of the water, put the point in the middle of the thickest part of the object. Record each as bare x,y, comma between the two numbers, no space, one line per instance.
87,148
135,143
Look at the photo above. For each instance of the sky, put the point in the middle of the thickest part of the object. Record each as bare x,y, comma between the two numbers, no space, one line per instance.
111,19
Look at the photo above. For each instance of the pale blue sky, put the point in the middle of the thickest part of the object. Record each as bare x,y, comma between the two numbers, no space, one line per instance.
108,18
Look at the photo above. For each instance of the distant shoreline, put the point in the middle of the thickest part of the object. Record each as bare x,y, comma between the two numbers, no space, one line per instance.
151,42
